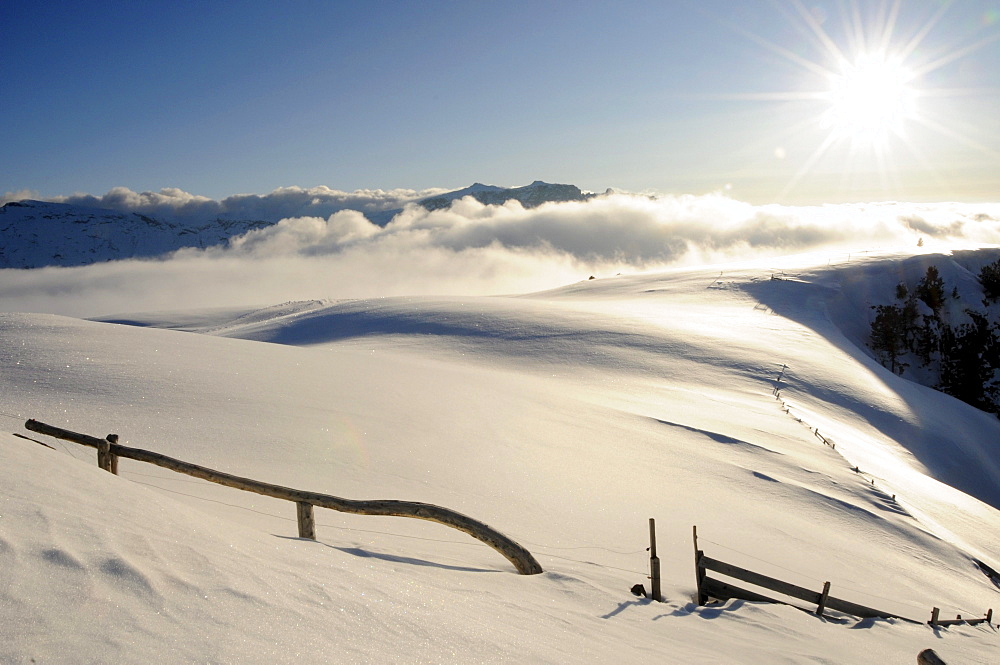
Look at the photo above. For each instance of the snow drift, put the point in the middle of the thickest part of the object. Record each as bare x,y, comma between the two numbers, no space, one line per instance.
563,418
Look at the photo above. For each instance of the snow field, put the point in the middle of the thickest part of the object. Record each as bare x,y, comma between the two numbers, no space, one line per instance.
565,419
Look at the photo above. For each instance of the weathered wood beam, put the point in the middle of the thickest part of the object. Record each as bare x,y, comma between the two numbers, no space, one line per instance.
860,610
823,600
757,579
959,622
521,558
720,590
65,434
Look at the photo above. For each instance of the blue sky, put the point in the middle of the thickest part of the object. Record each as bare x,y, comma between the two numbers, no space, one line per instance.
673,97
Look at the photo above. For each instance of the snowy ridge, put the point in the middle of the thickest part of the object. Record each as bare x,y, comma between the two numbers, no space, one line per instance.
565,419
530,196
38,233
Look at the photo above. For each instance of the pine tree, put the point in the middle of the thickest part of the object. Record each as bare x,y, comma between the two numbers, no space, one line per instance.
926,339
989,277
970,355
930,289
890,333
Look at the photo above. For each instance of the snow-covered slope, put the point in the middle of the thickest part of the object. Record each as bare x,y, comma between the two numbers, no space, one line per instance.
565,419
39,233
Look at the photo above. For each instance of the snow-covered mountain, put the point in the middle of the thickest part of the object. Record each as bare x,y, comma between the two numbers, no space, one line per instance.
39,233
530,196
565,419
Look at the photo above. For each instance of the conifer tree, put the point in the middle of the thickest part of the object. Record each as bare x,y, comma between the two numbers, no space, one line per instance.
930,289
889,335
989,277
970,355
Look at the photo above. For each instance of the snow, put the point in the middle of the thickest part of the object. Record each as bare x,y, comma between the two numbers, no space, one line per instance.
40,233
565,419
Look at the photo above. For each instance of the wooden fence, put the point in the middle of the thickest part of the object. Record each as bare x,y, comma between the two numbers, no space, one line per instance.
937,621
710,587
109,450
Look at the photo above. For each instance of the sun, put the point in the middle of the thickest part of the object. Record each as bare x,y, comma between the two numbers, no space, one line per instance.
870,106
870,100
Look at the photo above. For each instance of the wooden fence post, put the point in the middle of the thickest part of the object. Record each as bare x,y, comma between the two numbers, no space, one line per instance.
654,563
699,572
112,458
106,459
822,599
307,521
935,614
104,454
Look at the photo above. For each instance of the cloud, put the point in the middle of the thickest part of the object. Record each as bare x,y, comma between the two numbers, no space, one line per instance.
19,195
952,230
175,204
305,235
192,281
473,249
626,231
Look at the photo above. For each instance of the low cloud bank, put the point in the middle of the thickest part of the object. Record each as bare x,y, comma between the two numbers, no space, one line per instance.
175,204
475,249
626,231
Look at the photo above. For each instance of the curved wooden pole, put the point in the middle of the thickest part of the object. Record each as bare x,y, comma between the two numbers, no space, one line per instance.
522,559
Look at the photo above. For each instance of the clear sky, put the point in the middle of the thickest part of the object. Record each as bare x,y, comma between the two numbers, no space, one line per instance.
786,101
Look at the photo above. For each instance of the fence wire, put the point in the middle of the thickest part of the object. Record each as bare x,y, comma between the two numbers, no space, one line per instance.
540,548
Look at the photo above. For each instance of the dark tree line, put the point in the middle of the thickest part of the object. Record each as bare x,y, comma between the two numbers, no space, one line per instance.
965,356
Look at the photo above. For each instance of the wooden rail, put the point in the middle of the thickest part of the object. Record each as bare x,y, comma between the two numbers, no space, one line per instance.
822,599
958,621
709,587
109,450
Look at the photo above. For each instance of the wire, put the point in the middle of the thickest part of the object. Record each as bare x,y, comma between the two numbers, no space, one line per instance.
292,519
584,547
840,584
394,535
541,547
775,565
67,449
12,416
625,570
168,478
231,505
20,419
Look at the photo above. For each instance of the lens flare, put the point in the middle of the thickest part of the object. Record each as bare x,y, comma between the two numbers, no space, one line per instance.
871,107
870,99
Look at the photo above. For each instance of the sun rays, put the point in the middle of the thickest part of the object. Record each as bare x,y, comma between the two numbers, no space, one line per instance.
871,93
870,99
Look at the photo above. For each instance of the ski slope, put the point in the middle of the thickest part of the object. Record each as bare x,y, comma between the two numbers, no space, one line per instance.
565,419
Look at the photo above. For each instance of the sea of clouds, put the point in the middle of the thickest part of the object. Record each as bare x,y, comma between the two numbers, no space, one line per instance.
469,248
176,205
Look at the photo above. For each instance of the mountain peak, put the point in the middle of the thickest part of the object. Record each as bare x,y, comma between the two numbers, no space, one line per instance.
530,196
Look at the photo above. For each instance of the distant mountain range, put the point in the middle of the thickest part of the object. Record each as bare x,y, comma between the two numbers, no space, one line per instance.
40,233
530,196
